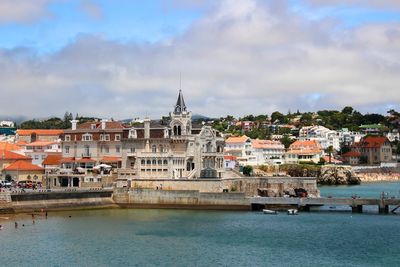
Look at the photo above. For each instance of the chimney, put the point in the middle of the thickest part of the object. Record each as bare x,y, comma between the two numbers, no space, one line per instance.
74,123
103,124
147,128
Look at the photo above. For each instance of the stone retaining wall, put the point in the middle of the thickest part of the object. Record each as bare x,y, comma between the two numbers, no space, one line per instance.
246,185
150,198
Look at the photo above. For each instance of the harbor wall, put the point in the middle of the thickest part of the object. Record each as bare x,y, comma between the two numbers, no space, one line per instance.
191,199
247,185
31,201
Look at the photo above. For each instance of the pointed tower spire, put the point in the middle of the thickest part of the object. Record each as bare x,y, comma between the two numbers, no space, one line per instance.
180,104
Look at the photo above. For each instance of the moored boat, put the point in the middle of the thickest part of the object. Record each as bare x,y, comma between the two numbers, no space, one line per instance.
292,212
265,211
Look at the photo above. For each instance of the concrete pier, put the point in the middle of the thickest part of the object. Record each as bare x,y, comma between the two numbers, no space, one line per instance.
356,204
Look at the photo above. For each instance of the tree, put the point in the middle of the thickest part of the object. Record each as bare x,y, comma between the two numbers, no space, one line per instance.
277,116
247,170
286,141
329,150
347,110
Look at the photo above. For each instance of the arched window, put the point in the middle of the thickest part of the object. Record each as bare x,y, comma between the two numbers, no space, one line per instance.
165,162
179,130
154,162
161,148
143,162
154,148
148,162
159,162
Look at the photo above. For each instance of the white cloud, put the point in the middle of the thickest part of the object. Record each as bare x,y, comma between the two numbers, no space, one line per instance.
381,4
243,57
23,11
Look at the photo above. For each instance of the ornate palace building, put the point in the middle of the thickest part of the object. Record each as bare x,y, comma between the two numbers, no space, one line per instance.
172,149
167,149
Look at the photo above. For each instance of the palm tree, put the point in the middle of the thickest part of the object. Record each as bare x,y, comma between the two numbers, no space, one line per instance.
329,150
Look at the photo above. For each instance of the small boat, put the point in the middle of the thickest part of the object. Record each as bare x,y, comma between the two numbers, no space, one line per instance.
265,211
292,211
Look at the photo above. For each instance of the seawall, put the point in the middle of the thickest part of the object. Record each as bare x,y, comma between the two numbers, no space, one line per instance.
246,185
190,199
55,200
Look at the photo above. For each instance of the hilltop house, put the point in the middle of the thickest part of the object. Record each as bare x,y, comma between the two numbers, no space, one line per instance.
304,151
373,150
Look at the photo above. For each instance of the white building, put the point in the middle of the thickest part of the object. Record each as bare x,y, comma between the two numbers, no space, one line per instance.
241,148
348,138
393,135
7,124
254,152
323,135
267,151
39,150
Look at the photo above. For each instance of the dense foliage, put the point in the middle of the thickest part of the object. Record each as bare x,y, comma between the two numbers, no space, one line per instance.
54,122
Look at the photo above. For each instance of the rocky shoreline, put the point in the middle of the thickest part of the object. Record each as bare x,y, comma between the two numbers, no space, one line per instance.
379,177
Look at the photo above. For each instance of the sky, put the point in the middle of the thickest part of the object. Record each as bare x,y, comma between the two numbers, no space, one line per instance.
124,58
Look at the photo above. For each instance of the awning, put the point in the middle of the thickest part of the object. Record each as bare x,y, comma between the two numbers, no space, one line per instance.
67,160
85,160
111,159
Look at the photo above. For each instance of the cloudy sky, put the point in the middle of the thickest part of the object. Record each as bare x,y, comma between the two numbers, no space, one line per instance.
123,58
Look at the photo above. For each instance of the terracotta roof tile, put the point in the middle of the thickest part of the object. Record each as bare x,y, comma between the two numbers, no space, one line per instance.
23,165
9,146
237,139
24,132
8,155
351,154
54,159
111,159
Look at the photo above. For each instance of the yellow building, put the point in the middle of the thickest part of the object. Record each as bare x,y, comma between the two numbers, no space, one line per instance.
23,170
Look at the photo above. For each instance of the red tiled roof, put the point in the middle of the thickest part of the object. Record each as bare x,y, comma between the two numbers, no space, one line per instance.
231,158
23,132
306,143
372,142
8,155
351,154
261,144
111,159
23,165
67,160
8,146
53,159
237,139
109,125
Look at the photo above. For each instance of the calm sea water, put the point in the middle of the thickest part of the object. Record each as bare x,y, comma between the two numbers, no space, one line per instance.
129,237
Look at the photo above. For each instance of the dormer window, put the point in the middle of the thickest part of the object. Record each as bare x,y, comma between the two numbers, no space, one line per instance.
87,137
117,137
93,126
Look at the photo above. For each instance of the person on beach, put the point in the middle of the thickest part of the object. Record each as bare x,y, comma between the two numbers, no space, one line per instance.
16,225
1,227
46,214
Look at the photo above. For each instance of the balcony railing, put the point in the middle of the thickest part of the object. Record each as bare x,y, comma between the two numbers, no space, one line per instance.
86,155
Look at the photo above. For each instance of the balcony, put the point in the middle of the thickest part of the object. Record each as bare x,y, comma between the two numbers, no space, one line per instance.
86,155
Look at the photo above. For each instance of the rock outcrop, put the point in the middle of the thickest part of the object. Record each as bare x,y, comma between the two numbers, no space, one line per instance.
337,175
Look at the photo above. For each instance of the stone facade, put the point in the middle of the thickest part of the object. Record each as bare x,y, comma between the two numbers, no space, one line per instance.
172,149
